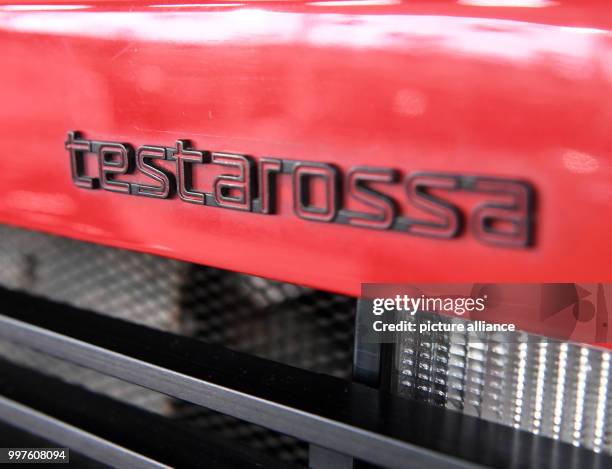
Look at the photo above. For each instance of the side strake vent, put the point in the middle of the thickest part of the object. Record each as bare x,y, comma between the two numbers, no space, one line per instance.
322,410
278,321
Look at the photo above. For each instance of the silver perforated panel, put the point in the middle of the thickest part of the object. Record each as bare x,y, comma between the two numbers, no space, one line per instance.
547,387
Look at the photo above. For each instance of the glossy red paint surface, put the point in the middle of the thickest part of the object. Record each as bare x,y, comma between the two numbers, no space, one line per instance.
520,92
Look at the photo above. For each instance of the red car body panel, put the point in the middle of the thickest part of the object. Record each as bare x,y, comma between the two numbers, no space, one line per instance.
521,92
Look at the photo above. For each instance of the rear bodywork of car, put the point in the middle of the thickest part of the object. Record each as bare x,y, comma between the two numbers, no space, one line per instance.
323,144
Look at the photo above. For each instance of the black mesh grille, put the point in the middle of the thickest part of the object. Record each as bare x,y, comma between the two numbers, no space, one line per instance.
294,325
278,321
290,324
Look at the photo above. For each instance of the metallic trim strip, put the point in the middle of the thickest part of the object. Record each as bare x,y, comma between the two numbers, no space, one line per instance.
62,433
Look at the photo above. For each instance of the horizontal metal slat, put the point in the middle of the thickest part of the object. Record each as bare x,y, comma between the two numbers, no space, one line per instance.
347,417
66,435
110,431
